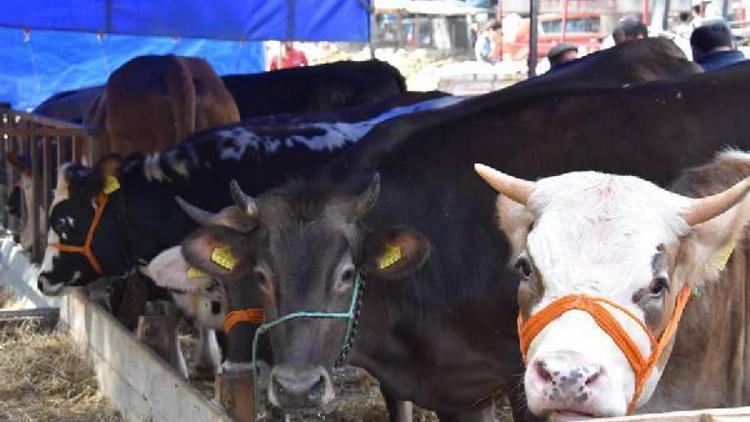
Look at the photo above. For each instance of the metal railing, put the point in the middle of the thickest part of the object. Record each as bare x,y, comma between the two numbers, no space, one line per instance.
48,143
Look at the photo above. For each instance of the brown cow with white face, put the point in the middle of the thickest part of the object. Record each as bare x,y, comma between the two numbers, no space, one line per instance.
607,262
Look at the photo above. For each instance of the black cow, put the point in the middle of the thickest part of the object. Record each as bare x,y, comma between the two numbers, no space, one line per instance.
141,219
323,87
445,336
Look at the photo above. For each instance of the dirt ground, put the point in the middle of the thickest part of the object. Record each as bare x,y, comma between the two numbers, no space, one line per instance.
42,377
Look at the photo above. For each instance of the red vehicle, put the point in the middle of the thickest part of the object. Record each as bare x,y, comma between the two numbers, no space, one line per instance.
581,29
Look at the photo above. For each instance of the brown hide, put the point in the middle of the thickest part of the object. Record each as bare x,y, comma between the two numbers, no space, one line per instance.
153,102
706,368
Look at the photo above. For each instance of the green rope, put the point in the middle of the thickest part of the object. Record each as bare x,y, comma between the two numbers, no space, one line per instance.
348,316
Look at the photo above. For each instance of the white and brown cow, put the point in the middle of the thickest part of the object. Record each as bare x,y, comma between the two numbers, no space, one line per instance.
604,262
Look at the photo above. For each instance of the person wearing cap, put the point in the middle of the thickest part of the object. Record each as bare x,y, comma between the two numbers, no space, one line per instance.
629,28
713,47
561,54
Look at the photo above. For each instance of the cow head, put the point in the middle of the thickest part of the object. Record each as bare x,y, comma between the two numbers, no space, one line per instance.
71,216
200,298
307,244
631,245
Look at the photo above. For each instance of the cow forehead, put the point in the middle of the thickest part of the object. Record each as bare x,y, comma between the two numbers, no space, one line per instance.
597,233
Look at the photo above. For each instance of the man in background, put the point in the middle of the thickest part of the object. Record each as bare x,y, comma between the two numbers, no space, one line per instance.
712,46
561,54
289,57
629,28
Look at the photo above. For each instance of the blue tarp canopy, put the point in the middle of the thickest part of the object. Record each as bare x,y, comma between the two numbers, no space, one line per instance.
49,46
249,20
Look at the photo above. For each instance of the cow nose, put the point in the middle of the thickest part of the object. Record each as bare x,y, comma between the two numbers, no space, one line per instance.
46,286
567,380
215,307
295,388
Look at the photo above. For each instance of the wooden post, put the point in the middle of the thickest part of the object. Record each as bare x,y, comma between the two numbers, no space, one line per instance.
235,391
157,328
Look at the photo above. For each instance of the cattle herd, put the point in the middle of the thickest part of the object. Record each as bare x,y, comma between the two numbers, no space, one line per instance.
580,235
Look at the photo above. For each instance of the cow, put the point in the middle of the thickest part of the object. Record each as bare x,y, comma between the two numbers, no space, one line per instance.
442,333
199,299
151,103
70,106
607,265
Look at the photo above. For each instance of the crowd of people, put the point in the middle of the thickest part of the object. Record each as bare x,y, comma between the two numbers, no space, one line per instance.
710,40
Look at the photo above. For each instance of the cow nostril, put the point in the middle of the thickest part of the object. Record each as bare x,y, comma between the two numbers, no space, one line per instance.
594,377
541,370
316,391
215,307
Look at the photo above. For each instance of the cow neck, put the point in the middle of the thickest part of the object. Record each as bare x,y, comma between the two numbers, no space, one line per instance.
594,306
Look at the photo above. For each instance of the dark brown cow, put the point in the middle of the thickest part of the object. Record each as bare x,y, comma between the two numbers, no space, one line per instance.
152,102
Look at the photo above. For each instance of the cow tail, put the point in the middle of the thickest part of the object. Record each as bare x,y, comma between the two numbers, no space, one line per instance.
182,97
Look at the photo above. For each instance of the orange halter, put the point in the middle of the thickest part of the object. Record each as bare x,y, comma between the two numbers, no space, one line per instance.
85,249
254,316
528,330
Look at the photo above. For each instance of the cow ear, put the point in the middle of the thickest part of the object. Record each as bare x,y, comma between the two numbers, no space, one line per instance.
515,221
170,270
395,253
109,165
15,161
705,252
218,251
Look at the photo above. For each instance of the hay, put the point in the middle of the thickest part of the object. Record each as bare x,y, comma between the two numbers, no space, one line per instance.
44,379
7,297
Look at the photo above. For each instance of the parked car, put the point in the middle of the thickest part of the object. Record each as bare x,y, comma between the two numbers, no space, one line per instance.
582,29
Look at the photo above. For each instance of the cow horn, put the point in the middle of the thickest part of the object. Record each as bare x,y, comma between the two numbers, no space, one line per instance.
367,199
199,215
512,187
704,209
243,200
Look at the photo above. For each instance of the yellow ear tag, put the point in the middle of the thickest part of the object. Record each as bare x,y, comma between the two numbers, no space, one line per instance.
223,257
723,256
391,255
111,184
193,272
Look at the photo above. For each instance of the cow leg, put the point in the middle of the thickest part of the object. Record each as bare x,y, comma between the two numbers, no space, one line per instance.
209,354
485,414
398,410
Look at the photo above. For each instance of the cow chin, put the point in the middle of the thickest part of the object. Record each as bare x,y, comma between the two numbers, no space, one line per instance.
576,372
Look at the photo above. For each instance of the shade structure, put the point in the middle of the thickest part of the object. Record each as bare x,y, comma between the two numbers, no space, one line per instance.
48,46
249,20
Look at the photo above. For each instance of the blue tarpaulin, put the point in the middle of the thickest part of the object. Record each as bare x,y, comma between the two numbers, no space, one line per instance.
48,46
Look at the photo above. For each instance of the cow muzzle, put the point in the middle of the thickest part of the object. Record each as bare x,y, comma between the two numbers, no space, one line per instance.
570,381
300,388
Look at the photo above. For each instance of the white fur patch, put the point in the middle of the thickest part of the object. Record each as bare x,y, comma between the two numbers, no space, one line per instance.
152,168
235,141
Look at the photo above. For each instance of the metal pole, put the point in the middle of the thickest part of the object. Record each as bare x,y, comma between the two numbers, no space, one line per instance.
499,18
564,28
533,35
46,182
36,249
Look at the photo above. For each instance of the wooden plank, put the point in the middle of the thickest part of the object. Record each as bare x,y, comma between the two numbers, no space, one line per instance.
139,384
43,313
704,415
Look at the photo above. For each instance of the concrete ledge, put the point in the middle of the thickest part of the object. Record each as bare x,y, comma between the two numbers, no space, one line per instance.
18,273
139,384
703,415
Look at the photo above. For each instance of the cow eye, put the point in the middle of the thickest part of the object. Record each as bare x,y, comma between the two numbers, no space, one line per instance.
523,267
347,276
658,287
